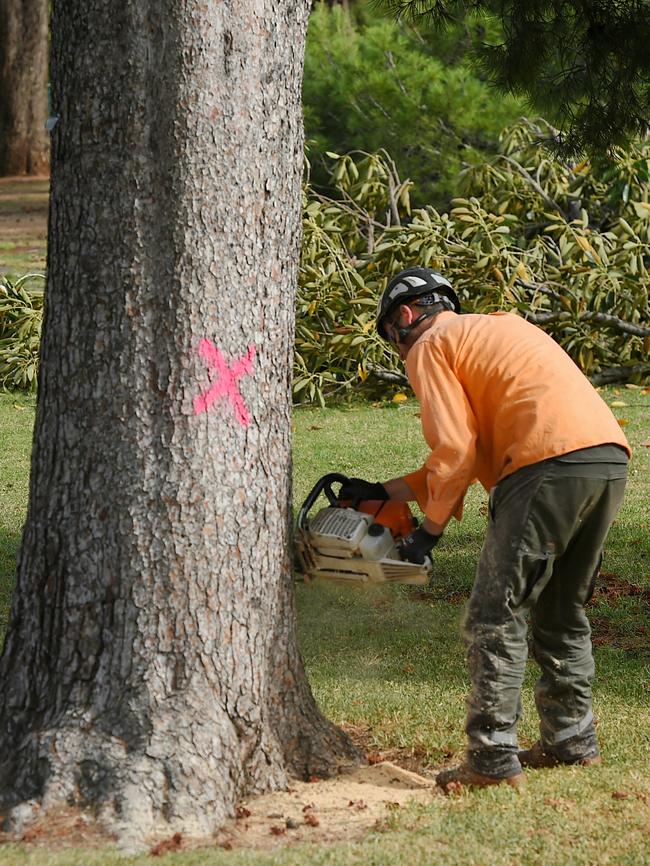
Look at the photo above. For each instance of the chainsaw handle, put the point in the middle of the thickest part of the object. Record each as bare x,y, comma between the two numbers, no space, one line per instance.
323,485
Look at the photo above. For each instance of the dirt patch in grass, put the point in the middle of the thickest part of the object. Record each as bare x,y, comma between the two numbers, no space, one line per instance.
23,223
439,594
619,614
613,588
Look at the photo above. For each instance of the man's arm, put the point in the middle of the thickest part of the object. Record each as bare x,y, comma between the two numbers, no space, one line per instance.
398,488
450,429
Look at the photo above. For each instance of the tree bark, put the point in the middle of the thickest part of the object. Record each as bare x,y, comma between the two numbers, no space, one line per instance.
151,670
24,141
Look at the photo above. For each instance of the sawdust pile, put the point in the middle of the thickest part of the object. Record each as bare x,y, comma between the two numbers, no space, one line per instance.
343,808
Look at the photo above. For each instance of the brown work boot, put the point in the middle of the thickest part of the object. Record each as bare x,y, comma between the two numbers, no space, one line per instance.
463,776
538,758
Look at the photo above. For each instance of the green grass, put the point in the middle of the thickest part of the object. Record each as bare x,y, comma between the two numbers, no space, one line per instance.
389,660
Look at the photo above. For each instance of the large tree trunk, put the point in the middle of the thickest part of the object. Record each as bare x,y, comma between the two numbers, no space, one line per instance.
24,142
150,668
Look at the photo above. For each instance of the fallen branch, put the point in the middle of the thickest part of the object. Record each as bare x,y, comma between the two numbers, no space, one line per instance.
618,374
544,288
597,318
387,375
531,180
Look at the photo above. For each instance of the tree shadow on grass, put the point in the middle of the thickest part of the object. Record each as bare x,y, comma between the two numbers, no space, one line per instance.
9,545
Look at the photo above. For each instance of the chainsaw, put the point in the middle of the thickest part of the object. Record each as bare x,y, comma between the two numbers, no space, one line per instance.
357,541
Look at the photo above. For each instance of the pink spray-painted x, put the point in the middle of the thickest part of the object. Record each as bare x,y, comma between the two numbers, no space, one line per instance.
226,384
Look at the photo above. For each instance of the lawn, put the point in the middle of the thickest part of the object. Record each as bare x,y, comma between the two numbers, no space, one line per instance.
388,663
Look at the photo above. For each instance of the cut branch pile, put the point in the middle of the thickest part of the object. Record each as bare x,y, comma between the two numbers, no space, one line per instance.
566,246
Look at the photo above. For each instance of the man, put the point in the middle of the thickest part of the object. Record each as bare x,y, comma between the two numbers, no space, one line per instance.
501,402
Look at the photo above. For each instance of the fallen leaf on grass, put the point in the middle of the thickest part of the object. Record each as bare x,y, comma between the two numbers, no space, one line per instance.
315,427
617,403
399,398
620,795
167,845
623,422
646,444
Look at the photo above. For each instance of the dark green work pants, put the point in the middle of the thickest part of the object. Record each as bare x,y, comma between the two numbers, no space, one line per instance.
541,556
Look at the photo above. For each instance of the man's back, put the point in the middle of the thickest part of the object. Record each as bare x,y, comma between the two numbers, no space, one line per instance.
497,394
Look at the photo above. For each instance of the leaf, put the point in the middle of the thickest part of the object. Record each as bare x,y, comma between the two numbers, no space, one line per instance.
618,403
646,444
399,398
522,273
623,422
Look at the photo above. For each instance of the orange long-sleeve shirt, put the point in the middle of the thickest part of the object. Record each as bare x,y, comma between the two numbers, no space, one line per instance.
496,393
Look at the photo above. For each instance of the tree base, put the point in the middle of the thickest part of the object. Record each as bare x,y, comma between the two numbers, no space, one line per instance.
96,783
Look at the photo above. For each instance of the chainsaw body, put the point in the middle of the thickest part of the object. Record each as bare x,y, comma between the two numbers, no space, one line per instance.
355,544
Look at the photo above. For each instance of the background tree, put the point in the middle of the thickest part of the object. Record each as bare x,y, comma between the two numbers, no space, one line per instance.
24,141
372,83
584,65
150,670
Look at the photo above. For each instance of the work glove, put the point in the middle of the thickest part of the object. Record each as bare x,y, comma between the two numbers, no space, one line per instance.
417,546
358,490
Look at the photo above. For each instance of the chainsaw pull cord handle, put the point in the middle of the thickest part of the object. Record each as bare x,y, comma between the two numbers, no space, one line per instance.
323,485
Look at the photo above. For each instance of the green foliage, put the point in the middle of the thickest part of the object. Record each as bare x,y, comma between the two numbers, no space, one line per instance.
20,332
379,84
565,245
585,65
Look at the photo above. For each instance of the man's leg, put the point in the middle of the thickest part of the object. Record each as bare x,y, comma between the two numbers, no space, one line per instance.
560,629
537,516
495,627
